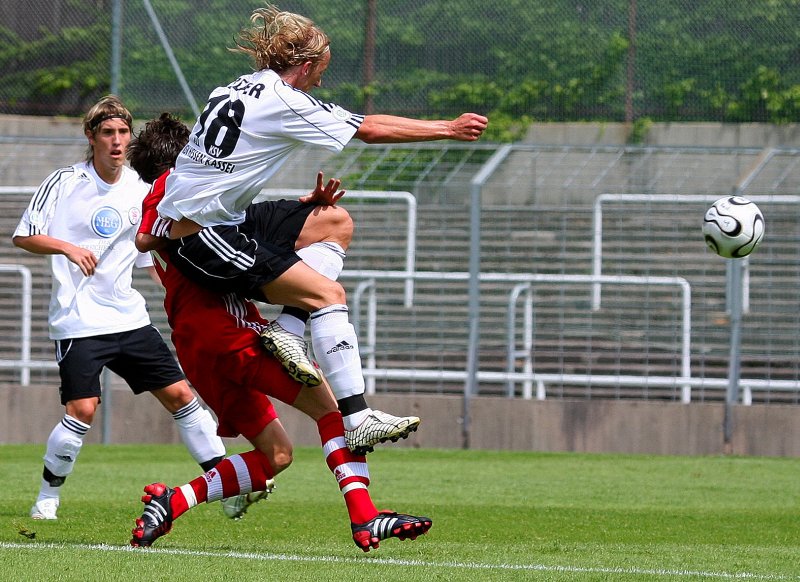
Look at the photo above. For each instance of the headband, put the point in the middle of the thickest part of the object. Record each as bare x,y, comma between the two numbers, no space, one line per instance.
100,120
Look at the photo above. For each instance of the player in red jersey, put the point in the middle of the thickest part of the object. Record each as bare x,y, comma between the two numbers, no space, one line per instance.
248,129
217,339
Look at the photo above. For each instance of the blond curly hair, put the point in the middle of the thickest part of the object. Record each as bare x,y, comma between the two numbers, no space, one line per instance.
279,40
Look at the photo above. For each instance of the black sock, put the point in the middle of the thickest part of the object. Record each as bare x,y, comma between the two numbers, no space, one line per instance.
52,480
352,404
211,463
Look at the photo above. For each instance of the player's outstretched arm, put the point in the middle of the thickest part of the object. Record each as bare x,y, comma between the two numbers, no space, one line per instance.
393,129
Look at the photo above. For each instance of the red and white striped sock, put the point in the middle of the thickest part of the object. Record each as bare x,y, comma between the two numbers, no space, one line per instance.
351,471
234,475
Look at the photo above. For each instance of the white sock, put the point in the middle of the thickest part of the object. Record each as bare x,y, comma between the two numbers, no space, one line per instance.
336,350
199,432
326,258
352,421
47,491
63,446
291,324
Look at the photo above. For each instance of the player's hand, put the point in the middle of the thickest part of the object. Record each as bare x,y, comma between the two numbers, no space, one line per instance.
327,195
468,126
84,258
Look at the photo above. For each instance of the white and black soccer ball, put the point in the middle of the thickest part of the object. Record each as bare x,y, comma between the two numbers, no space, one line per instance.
733,227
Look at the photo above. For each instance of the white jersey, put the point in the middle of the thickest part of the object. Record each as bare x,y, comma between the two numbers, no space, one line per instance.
246,132
75,205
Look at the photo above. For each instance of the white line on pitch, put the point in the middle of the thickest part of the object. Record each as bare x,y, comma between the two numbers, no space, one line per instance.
396,562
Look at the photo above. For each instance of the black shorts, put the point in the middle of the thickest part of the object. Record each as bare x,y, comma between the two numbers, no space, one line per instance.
244,257
140,357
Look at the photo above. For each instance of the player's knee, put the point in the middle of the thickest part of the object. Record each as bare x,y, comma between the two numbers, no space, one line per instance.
282,458
332,293
329,223
83,409
175,396
343,228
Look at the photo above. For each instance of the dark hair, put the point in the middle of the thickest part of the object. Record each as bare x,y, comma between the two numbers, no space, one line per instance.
154,150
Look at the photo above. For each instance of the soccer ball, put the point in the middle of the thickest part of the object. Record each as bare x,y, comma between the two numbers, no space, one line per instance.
733,227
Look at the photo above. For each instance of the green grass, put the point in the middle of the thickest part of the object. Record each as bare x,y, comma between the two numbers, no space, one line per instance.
497,516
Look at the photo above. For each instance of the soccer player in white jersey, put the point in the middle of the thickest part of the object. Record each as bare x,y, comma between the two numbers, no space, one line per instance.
85,217
245,133
217,339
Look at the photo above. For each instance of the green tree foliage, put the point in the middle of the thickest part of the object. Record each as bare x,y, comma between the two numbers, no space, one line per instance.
519,60
77,68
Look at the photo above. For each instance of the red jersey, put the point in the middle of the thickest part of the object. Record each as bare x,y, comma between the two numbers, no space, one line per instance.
186,302
217,341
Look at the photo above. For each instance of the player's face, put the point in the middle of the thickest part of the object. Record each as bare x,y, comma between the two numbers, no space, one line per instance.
110,142
314,76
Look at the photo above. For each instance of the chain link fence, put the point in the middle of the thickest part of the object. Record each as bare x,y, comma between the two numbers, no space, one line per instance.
539,220
518,61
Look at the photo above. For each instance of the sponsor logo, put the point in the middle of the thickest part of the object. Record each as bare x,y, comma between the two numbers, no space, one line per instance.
342,345
201,158
134,215
65,458
106,222
339,474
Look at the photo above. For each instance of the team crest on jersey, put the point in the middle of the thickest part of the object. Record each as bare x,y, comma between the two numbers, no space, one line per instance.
36,218
134,215
341,114
106,222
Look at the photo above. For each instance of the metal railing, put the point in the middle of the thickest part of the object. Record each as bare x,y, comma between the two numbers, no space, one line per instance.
528,330
411,222
24,364
528,377
597,237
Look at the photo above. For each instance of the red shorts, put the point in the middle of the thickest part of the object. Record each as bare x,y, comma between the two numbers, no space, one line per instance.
231,371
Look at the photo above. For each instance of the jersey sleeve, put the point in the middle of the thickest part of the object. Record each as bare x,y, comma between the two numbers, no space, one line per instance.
143,260
312,121
39,213
152,223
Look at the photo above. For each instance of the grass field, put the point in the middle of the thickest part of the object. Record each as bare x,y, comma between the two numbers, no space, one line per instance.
497,516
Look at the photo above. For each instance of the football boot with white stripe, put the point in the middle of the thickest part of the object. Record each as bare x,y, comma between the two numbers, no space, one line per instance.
235,507
388,524
292,352
156,519
45,509
379,427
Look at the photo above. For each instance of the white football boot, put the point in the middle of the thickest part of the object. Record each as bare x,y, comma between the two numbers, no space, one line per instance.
379,427
292,352
235,507
45,509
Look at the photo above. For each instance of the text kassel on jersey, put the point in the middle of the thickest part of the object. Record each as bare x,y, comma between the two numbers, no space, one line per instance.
202,158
